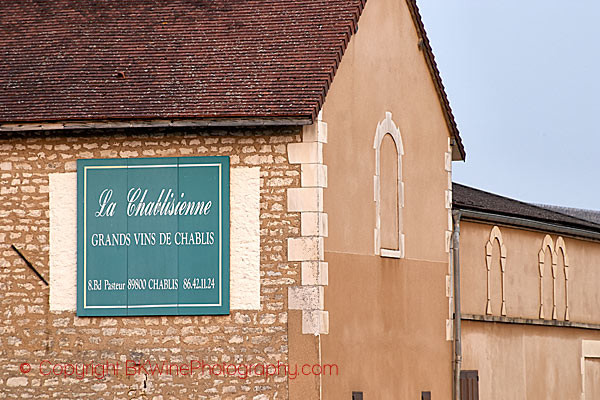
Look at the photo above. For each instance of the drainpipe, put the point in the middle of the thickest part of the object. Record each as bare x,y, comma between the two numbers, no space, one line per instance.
457,315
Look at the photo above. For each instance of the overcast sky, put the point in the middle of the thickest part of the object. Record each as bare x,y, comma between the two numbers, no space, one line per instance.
523,80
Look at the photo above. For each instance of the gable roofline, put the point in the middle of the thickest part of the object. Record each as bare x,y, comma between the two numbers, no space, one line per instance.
458,149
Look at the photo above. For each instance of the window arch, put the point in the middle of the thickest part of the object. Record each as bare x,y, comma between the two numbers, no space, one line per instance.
389,189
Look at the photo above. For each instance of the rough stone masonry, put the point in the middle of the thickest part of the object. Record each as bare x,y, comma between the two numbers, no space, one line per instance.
31,333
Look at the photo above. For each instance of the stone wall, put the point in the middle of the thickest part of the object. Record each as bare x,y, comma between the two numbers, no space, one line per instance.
30,333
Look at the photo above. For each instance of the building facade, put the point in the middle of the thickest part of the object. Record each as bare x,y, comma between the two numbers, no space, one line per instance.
529,298
349,265
339,140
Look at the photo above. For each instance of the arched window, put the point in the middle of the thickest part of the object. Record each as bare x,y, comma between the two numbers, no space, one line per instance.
389,190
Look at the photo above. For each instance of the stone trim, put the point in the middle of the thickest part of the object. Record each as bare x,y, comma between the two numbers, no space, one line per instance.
63,241
309,247
305,199
315,273
448,196
448,242
245,247
589,349
556,249
388,127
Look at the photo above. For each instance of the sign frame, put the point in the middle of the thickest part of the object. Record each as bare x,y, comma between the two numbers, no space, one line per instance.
199,176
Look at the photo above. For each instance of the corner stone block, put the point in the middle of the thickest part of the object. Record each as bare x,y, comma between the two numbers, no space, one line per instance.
315,273
306,298
314,175
448,240
305,199
316,132
449,329
448,199
314,224
305,153
315,322
305,249
448,162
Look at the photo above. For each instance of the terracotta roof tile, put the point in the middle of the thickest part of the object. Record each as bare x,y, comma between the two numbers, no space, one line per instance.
89,59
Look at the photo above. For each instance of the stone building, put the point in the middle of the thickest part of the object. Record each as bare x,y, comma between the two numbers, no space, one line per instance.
254,200
331,119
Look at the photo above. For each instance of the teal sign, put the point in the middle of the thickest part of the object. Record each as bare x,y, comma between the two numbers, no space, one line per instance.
153,236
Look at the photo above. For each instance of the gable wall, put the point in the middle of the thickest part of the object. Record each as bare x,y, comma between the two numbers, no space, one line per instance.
387,316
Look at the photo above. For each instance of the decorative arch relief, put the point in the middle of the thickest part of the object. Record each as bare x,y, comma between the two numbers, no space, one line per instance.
561,249
384,128
555,250
547,244
495,236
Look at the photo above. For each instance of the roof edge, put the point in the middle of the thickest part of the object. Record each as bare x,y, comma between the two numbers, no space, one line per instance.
458,149
538,206
352,29
528,223
151,123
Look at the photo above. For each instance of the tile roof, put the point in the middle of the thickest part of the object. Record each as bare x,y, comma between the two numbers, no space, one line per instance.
587,215
100,59
468,198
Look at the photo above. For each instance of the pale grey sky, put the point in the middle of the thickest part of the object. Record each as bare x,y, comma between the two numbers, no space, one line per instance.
523,82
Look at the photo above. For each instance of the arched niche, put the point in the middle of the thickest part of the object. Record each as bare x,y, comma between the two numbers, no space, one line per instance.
495,237
389,189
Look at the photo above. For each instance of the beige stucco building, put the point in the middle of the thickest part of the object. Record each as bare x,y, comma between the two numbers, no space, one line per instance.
529,297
